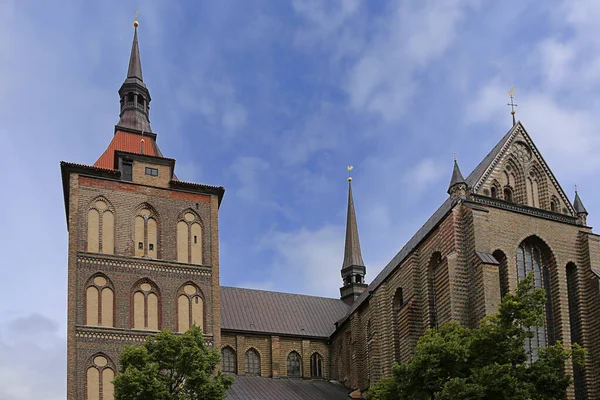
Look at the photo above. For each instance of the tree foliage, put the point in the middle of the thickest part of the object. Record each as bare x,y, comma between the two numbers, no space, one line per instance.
171,367
489,362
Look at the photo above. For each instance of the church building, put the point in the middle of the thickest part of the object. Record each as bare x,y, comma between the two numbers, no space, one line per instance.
144,255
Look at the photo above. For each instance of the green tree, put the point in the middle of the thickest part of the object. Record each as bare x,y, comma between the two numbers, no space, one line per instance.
489,362
171,367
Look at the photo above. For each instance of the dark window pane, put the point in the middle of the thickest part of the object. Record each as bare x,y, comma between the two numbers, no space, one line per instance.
252,362
151,171
293,364
127,172
228,356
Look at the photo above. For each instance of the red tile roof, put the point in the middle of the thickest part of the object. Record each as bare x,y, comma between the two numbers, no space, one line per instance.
128,142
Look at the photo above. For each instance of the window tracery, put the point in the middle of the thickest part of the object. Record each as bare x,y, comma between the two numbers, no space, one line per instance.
99,379
101,227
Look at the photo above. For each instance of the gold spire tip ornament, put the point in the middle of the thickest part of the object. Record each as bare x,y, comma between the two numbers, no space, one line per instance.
350,168
135,21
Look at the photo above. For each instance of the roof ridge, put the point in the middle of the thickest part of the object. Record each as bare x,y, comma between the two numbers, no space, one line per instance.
277,292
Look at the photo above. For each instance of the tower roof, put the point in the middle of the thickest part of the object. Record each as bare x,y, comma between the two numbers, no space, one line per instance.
135,97
352,253
457,176
578,205
135,62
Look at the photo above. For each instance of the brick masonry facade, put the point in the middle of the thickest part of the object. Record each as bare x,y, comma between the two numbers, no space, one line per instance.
379,332
124,272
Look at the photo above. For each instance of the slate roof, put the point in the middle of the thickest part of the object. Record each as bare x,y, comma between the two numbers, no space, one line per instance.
487,258
431,224
248,387
263,311
457,176
578,205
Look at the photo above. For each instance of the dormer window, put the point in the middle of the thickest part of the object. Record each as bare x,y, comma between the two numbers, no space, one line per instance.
127,171
151,171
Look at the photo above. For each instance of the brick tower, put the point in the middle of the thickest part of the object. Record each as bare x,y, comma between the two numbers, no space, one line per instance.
143,247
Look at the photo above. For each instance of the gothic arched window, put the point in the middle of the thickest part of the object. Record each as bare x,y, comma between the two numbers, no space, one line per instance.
99,376
534,256
101,228
229,362
502,272
508,194
190,308
146,234
189,239
252,362
316,366
99,302
573,295
434,262
146,306
294,365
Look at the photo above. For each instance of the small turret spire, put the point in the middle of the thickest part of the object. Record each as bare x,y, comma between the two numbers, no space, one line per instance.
578,204
135,97
457,176
353,267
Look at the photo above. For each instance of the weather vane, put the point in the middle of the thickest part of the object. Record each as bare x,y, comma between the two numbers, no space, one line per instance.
575,188
454,154
350,168
135,21
512,103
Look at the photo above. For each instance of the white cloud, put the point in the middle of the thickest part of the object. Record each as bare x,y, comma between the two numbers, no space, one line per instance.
384,78
32,365
308,261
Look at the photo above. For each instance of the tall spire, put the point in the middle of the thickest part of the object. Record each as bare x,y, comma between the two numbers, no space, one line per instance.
135,97
135,61
353,267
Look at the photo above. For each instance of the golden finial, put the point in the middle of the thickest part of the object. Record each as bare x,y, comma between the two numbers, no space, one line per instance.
512,103
135,22
350,168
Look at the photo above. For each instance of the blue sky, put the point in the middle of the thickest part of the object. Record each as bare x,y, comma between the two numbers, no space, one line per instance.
272,100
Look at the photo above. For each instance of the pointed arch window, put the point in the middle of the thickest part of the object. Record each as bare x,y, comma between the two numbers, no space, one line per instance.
502,272
294,363
573,290
554,204
190,308
146,306
229,362
252,362
316,366
508,194
434,262
189,239
101,228
99,302
146,234
99,379
534,256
